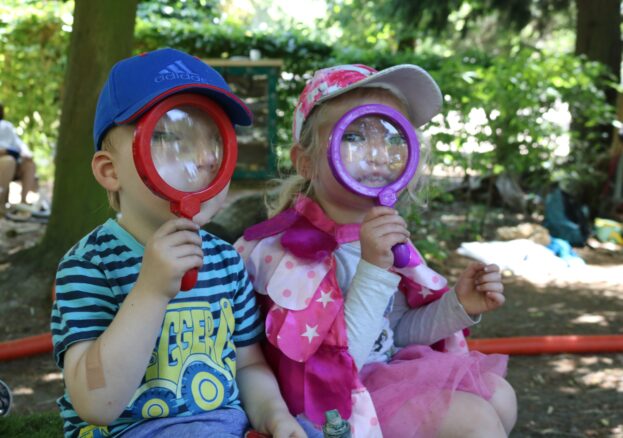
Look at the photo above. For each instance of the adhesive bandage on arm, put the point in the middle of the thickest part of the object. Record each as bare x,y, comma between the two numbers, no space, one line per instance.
94,367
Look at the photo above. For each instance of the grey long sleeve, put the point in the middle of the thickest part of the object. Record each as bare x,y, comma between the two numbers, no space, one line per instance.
377,313
428,324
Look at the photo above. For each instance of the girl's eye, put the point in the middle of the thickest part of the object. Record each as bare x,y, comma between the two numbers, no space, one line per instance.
353,137
396,140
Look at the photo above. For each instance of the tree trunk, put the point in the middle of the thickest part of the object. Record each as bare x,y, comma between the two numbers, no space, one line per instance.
598,35
103,33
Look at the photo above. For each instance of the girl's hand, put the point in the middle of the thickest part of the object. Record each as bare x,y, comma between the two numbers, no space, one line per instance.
381,229
281,424
480,288
173,249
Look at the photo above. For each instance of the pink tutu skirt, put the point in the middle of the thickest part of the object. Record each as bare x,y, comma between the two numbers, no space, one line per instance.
412,392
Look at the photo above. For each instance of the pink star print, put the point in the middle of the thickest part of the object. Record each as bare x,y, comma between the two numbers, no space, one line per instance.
310,332
325,298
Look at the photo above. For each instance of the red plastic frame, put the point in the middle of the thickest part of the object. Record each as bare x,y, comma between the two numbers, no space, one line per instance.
185,204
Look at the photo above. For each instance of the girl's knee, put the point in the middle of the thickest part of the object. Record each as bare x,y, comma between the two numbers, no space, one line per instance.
472,416
504,401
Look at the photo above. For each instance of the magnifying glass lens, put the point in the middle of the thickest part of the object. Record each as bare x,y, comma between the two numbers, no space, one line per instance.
186,148
374,151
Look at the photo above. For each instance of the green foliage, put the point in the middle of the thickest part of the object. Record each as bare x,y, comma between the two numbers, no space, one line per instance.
33,51
426,233
45,425
585,171
499,111
452,24
513,94
161,12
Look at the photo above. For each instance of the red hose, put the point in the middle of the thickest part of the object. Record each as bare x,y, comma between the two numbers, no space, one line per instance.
532,345
529,345
24,347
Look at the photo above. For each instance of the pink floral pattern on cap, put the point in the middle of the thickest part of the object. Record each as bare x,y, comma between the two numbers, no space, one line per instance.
325,83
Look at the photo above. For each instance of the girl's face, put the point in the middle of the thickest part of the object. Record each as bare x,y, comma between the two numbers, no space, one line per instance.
373,151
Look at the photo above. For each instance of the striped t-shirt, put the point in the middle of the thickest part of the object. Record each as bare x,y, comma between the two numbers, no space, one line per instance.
192,367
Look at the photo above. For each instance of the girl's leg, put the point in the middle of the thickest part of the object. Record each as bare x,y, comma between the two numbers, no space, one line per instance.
28,177
504,401
470,416
8,167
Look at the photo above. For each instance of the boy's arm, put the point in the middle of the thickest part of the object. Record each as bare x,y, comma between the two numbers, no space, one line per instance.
261,397
102,375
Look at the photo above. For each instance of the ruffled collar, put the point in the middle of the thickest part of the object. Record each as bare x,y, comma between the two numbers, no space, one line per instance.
316,216
307,231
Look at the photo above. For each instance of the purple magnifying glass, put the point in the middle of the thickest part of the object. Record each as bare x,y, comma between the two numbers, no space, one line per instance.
374,152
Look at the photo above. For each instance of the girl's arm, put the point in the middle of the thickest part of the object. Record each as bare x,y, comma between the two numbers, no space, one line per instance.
372,286
366,302
261,397
479,289
430,323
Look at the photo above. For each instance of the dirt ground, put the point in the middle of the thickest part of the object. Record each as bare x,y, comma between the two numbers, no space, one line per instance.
566,395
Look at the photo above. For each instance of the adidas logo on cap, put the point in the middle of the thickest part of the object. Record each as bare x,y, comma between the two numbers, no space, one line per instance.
177,70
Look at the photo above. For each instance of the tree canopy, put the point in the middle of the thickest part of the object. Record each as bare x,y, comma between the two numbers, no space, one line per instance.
508,65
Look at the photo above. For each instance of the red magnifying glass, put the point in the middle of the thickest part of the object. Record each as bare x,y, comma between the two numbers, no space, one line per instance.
185,151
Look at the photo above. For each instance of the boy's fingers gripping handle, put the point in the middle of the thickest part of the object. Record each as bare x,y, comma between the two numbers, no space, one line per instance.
189,279
401,255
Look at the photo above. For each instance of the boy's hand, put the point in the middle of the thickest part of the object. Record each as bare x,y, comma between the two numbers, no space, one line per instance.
281,424
381,229
480,288
173,249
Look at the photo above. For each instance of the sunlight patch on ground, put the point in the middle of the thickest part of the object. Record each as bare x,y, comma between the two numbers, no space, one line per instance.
582,368
51,377
564,365
569,390
590,319
22,390
609,378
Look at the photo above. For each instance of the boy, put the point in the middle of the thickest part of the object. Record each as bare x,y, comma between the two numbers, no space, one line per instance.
140,358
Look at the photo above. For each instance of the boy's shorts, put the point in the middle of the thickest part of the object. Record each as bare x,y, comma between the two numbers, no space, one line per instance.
15,154
222,423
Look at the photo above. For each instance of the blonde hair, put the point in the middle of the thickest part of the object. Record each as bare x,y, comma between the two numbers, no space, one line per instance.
113,197
289,188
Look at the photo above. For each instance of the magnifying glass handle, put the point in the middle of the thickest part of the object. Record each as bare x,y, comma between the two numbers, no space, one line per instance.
402,254
188,207
189,279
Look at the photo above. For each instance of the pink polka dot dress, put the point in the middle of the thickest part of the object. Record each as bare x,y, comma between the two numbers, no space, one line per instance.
290,259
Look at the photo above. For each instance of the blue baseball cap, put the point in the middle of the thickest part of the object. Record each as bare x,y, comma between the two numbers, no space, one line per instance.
136,84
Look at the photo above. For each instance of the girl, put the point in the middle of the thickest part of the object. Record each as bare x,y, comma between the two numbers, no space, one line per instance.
345,329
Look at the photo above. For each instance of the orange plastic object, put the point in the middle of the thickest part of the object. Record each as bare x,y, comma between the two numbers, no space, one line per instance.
533,345
24,347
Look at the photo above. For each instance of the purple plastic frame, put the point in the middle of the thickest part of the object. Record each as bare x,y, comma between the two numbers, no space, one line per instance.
386,195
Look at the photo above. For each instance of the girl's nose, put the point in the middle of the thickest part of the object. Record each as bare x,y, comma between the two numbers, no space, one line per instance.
377,152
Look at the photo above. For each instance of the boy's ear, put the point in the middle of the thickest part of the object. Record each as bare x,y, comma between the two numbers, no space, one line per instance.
103,168
301,161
